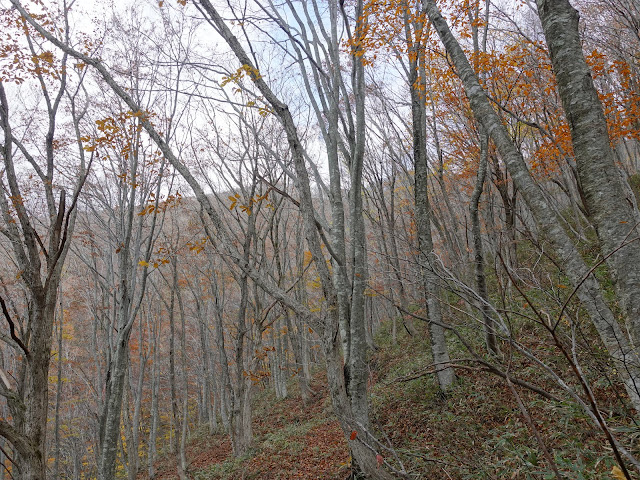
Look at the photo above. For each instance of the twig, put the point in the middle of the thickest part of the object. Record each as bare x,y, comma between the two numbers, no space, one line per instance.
591,270
487,367
11,460
533,428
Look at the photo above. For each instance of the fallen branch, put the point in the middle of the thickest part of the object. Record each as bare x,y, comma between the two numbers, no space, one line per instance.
486,367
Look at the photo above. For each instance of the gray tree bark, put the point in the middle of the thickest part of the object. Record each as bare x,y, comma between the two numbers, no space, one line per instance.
154,328
39,254
428,263
608,200
589,292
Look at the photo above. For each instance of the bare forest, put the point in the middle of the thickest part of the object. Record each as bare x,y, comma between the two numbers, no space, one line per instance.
319,239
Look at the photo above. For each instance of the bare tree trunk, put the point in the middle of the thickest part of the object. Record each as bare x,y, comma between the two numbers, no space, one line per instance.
175,415
208,387
56,427
153,429
296,339
445,374
225,378
481,283
134,446
184,424
478,248
610,205
241,435
589,291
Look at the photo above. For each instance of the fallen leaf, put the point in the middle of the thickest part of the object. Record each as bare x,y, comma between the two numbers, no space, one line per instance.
617,473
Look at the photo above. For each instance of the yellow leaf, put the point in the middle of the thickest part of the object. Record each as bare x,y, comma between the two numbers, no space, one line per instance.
617,473
46,56
143,263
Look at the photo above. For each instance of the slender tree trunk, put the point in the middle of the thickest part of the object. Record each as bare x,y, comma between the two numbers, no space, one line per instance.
175,414
153,429
225,377
241,435
184,424
112,412
208,388
445,374
296,338
134,460
481,283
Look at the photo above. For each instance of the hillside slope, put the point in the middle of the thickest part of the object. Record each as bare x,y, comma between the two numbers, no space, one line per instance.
476,432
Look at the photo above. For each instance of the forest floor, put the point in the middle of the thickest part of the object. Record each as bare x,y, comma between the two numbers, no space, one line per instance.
476,432
291,441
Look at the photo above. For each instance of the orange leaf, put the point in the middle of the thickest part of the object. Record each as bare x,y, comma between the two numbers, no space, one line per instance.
353,436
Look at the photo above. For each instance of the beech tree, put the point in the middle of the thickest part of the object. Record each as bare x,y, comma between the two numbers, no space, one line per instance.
37,163
608,200
350,163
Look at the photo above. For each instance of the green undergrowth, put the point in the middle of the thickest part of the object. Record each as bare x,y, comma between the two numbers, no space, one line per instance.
477,430
225,469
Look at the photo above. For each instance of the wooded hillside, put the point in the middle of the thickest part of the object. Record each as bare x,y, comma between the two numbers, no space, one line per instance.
409,228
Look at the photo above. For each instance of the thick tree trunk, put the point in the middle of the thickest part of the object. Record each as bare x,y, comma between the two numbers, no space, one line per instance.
56,427
36,387
610,205
589,291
